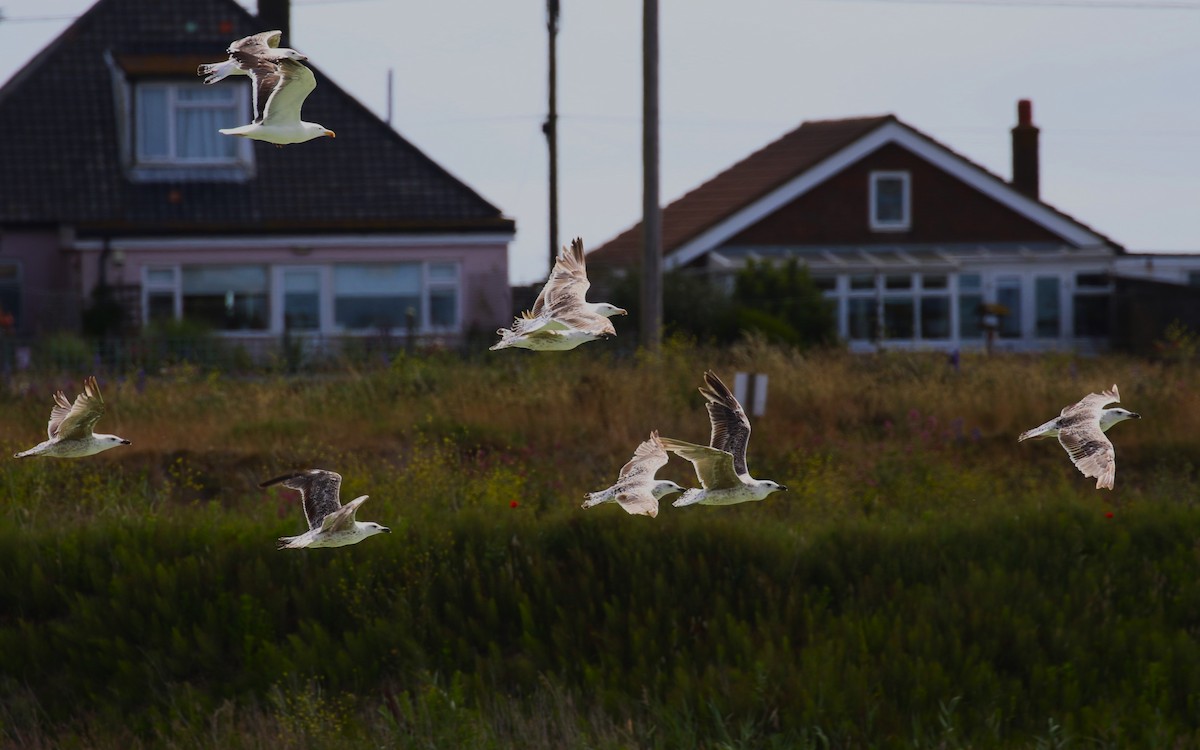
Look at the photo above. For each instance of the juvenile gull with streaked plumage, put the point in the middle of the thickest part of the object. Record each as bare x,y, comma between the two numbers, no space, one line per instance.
636,490
279,83
561,318
330,524
70,428
721,466
1080,430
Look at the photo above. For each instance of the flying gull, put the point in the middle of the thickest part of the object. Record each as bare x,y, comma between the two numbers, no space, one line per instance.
1080,430
70,428
264,45
330,524
721,466
636,490
280,84
561,318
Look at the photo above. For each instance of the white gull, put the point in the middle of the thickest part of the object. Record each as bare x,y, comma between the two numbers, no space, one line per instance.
721,466
70,428
280,84
1080,430
561,318
636,490
330,524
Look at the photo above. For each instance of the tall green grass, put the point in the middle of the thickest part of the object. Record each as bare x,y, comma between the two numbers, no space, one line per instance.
926,583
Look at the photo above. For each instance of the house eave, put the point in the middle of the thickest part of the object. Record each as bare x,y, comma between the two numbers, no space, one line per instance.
233,241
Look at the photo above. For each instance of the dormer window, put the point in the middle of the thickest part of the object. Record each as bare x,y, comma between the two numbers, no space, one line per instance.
169,121
178,124
889,202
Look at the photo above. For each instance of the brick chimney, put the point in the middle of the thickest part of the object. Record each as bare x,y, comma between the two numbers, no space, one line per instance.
1024,150
276,14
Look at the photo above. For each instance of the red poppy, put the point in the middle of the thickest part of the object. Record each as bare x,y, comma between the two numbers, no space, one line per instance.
513,504
1108,515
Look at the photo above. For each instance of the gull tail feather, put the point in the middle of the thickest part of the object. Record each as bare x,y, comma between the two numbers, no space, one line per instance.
1044,430
507,338
592,499
689,497
290,542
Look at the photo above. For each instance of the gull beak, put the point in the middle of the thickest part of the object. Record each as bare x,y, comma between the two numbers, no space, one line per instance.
126,442
1135,416
386,530
622,311
331,134
783,488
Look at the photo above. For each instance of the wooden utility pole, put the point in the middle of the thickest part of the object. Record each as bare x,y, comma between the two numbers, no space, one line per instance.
550,127
651,312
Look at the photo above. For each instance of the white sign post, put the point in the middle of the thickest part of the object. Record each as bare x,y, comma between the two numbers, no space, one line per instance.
751,392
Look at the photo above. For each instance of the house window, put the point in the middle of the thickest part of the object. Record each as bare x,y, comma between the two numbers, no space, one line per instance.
889,202
1046,300
863,318
898,317
443,295
158,294
970,306
10,296
301,299
376,296
1091,304
229,298
177,124
1008,296
935,307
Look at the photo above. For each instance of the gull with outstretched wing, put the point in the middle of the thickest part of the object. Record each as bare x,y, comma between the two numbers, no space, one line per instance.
1080,430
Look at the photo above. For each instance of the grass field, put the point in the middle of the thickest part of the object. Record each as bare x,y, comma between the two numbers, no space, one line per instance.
927,582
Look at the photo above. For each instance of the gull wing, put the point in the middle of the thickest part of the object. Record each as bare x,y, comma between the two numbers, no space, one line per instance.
257,44
639,503
342,519
293,84
319,490
76,422
730,426
714,468
649,457
1091,452
572,315
568,280
59,412
527,323
1091,404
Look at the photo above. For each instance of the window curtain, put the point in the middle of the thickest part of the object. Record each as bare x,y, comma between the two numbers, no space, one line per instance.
152,141
201,114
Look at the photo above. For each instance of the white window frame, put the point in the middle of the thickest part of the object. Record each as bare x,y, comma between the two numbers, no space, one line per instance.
174,288
429,284
904,223
243,150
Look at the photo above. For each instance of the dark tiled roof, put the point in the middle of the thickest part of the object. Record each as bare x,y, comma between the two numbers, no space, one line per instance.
740,185
60,158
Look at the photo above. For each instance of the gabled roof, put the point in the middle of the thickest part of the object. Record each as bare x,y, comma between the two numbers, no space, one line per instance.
799,161
61,161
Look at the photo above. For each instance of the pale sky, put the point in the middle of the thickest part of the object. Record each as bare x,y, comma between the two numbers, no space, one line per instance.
1114,90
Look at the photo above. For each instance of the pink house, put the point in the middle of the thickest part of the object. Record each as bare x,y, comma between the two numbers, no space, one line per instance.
116,184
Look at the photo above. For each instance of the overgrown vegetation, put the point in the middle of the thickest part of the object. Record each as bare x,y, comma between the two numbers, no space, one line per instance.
928,582
779,303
